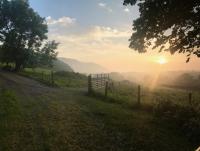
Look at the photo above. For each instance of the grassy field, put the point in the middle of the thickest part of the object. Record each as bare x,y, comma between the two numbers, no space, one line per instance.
128,93
59,78
36,117
168,105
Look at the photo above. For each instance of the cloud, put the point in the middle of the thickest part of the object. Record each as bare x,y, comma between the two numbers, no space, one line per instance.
102,32
104,6
96,34
127,10
98,40
63,21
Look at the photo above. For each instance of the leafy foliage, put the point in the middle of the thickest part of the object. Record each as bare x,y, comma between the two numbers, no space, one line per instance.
170,25
44,57
22,32
48,54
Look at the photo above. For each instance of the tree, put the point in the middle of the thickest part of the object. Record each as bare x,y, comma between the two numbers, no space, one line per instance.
44,57
47,53
22,32
170,25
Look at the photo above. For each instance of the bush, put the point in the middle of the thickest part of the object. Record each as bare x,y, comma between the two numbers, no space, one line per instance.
185,117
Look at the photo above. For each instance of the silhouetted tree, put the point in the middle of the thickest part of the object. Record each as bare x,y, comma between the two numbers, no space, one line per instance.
22,32
170,25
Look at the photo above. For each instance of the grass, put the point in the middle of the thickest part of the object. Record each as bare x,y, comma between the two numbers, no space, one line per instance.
10,117
70,79
67,119
60,78
128,93
170,104
84,123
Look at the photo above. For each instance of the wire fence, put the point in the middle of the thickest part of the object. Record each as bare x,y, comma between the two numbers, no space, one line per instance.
129,92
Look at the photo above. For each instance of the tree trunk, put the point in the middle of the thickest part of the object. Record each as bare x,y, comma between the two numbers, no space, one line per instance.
17,66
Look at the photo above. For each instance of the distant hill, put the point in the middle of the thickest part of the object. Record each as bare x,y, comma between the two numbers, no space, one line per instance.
59,65
83,67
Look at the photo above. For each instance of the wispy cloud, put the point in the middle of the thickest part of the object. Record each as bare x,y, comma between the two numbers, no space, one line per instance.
63,21
102,32
102,4
105,6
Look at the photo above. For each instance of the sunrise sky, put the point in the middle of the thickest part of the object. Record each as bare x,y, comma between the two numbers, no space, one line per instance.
98,31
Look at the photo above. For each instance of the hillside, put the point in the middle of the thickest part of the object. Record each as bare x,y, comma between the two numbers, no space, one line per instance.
84,67
59,65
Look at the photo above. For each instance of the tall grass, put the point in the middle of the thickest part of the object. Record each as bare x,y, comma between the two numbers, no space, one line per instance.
59,78
128,93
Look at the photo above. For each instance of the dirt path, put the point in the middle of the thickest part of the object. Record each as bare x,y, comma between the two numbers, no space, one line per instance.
23,84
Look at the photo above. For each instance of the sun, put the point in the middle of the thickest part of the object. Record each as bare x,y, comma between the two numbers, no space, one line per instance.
162,60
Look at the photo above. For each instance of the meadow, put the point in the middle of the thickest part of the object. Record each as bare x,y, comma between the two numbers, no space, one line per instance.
127,92
65,117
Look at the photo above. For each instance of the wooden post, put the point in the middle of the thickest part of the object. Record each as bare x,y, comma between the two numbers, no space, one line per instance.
97,81
106,89
190,98
52,78
90,84
101,80
139,95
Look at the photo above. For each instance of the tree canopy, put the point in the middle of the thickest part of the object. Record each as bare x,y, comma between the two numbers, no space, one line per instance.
22,32
170,25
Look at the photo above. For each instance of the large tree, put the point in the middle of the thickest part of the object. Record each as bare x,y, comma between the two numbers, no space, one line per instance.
170,25
22,32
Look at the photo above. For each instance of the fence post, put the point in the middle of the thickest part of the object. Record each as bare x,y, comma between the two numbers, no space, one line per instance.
190,98
106,89
139,95
52,78
90,84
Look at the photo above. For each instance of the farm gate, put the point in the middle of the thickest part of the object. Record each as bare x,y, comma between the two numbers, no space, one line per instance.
98,81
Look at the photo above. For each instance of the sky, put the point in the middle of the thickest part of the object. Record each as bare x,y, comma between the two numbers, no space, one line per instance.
98,31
